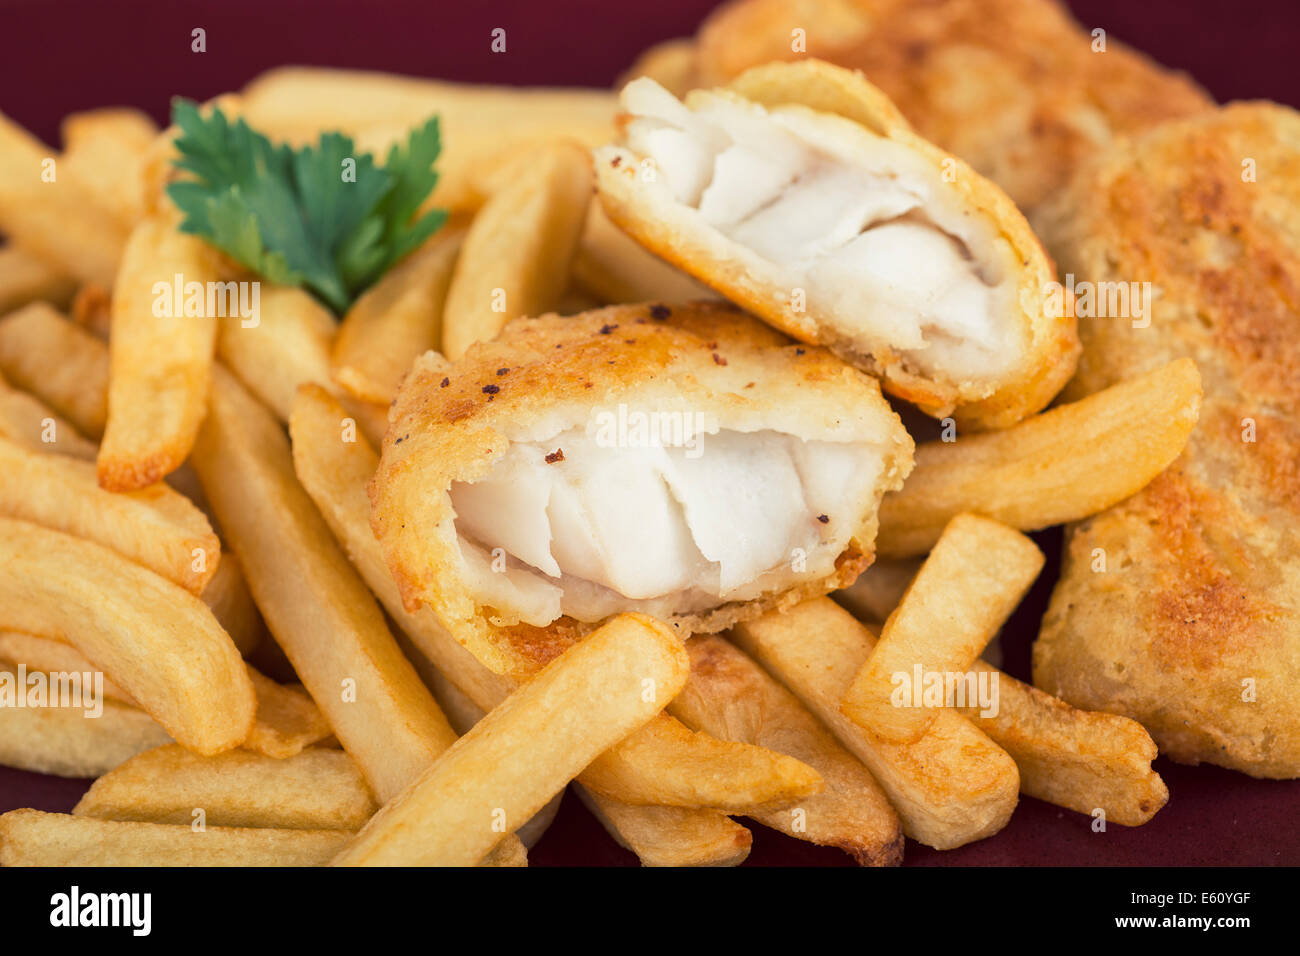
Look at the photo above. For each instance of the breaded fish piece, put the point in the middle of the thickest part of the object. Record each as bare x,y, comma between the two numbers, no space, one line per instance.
800,193
1013,87
686,462
1193,626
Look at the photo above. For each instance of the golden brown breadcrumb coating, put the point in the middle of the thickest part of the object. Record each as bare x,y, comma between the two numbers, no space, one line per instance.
1193,628
1013,87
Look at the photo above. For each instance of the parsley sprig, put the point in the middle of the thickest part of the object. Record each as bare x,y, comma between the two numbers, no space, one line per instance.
304,217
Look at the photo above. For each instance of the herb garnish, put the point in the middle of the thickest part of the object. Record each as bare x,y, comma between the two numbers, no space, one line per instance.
322,217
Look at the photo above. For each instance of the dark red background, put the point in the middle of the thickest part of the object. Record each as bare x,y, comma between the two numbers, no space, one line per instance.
60,57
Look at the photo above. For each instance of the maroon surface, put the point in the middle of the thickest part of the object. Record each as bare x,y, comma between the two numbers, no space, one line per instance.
59,57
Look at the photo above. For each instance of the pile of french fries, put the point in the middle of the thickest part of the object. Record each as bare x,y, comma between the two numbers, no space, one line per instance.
183,510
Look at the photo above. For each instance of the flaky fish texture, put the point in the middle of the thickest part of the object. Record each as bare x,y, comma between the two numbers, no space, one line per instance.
1014,87
455,426
801,193
1180,606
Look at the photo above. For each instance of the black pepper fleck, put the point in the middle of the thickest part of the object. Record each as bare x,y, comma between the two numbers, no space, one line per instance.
445,382
606,329
553,457
718,359
660,312
502,371
491,389
823,519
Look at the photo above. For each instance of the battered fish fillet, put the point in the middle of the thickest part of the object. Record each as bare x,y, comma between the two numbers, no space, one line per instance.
1193,627
800,193
686,462
1011,86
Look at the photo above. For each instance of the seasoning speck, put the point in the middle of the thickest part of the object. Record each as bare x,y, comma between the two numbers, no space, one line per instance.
606,329
660,312
823,519
553,457
491,389
718,359
445,383
502,371
615,161
798,351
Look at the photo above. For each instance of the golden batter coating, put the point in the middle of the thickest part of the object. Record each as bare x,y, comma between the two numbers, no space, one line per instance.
1193,628
454,423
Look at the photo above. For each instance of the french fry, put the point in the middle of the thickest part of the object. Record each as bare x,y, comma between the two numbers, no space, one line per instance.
464,714
527,749
33,838
398,319
160,643
312,790
758,779
877,591
616,268
47,211
289,346
66,742
951,787
312,600
24,419
105,149
662,763
27,278
288,720
1077,759
51,655
160,363
516,256
731,697
478,123
62,364
1063,465
92,309
966,589
156,527
670,836
228,596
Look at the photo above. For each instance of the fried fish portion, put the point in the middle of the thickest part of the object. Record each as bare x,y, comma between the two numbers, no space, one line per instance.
800,193
686,462
1180,606
1014,87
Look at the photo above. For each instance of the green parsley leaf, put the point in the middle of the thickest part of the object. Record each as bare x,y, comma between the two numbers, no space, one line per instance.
321,217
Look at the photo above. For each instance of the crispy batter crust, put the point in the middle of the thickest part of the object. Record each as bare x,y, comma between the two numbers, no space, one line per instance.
450,422
1202,584
1051,343
1014,87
